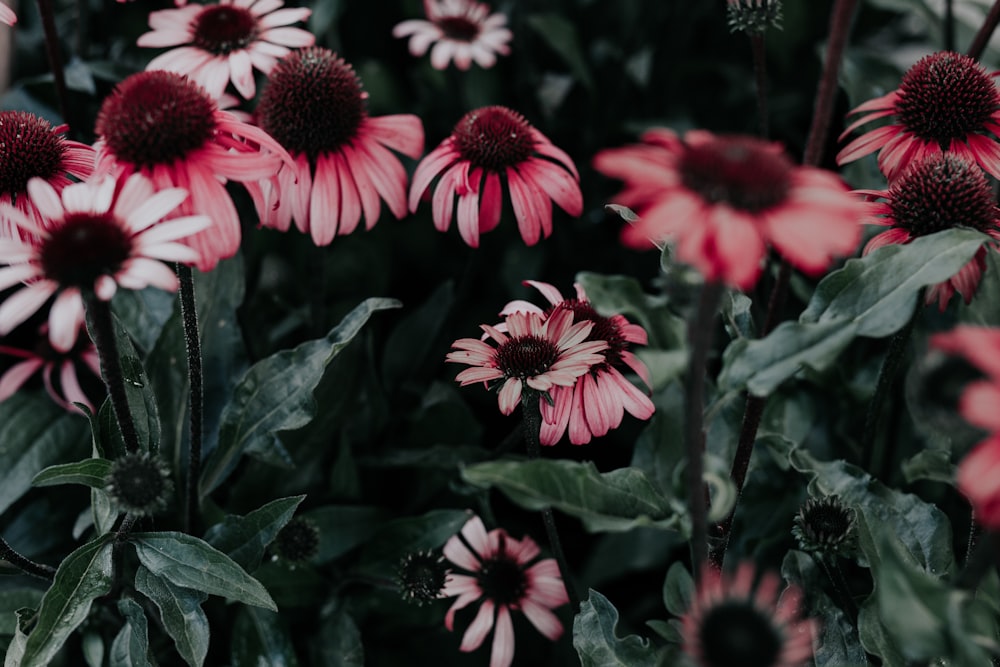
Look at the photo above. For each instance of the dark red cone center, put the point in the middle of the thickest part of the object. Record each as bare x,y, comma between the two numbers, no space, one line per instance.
502,579
84,248
493,138
459,28
221,29
748,174
526,356
941,192
28,148
736,633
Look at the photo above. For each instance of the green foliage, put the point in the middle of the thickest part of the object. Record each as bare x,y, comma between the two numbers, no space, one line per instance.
597,643
180,612
245,538
92,473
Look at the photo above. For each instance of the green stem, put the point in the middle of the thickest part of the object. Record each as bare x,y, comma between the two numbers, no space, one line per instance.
47,14
532,413
876,456
982,37
25,565
107,350
948,26
700,330
196,382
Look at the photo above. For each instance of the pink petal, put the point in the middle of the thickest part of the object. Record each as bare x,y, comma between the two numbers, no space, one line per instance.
502,653
65,319
479,628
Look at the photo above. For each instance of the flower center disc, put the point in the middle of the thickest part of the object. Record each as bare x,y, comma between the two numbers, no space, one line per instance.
941,192
526,356
745,173
946,96
84,248
28,147
313,102
156,117
458,28
735,633
223,28
494,138
503,580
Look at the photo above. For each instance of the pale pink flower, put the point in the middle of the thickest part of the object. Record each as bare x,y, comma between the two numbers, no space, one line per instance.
937,192
732,621
505,575
30,147
7,15
945,102
225,42
723,199
490,146
598,400
59,370
460,30
168,128
314,106
534,353
95,239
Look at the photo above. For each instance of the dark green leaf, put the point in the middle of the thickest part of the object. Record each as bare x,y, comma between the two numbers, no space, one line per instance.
340,642
181,613
81,578
24,619
188,562
34,434
91,472
276,395
618,500
343,527
244,538
11,601
984,309
678,589
261,638
395,539
560,34
410,342
130,647
143,313
597,644
933,464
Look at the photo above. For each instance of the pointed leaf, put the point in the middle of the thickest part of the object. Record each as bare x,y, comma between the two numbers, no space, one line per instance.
340,642
188,562
261,638
91,472
561,35
130,647
276,395
86,574
181,613
410,342
678,589
614,501
244,538
598,645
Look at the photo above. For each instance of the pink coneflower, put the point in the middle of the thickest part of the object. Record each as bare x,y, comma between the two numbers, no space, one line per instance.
940,191
723,199
225,42
7,15
534,353
489,146
94,239
314,106
978,474
166,127
30,147
59,370
945,102
598,400
732,622
501,574
461,30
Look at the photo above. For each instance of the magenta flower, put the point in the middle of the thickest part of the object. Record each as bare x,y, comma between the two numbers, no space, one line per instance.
978,474
461,30
225,42
166,127
59,370
598,400
733,622
30,147
503,573
534,353
314,106
93,239
945,102
7,15
722,200
489,146
940,191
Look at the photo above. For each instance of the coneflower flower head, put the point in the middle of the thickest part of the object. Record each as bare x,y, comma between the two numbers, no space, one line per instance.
421,577
298,540
825,526
462,31
753,16
140,483
945,102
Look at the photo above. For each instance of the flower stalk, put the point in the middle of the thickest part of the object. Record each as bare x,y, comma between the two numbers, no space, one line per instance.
196,382
47,14
25,565
532,415
111,369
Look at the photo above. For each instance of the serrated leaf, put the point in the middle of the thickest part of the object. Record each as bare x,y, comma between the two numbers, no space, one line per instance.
84,575
275,395
873,296
188,562
91,472
598,645
130,647
244,538
261,638
181,613
34,434
613,501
